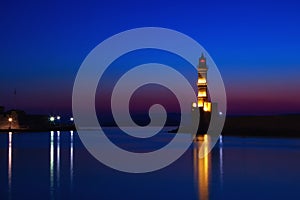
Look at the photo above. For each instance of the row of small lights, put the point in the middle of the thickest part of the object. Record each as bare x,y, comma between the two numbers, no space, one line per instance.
52,118
10,119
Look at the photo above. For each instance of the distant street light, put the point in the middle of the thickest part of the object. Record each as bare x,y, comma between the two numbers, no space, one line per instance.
71,119
51,119
58,117
10,119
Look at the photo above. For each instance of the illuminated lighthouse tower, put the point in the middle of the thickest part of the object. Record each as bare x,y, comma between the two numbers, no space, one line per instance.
202,96
203,106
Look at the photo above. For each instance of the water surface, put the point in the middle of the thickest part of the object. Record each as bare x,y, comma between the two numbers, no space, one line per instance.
56,165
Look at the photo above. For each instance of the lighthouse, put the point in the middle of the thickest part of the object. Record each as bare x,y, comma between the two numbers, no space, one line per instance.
202,96
203,105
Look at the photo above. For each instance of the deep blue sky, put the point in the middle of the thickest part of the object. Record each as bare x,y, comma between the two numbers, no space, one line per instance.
255,44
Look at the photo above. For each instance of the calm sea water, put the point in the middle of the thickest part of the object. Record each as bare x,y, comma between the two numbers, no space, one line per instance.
57,166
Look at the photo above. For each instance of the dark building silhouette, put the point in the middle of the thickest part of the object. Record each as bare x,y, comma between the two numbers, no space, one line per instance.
19,120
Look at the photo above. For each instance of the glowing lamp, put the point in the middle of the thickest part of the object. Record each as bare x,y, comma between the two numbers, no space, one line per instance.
201,80
51,119
201,93
207,107
200,102
10,119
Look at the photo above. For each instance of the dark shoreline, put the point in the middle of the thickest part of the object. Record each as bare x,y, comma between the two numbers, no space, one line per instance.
241,126
48,129
265,126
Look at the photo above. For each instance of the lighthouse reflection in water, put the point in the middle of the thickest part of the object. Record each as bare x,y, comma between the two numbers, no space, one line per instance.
204,163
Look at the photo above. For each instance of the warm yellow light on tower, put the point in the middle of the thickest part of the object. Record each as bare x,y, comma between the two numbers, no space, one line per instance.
10,119
202,94
200,102
207,107
201,80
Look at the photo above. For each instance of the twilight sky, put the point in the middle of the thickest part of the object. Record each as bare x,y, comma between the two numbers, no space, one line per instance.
255,45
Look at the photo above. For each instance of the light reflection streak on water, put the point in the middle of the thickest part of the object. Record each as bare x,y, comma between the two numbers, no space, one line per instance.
203,162
9,160
51,162
204,167
221,159
71,157
55,163
58,159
